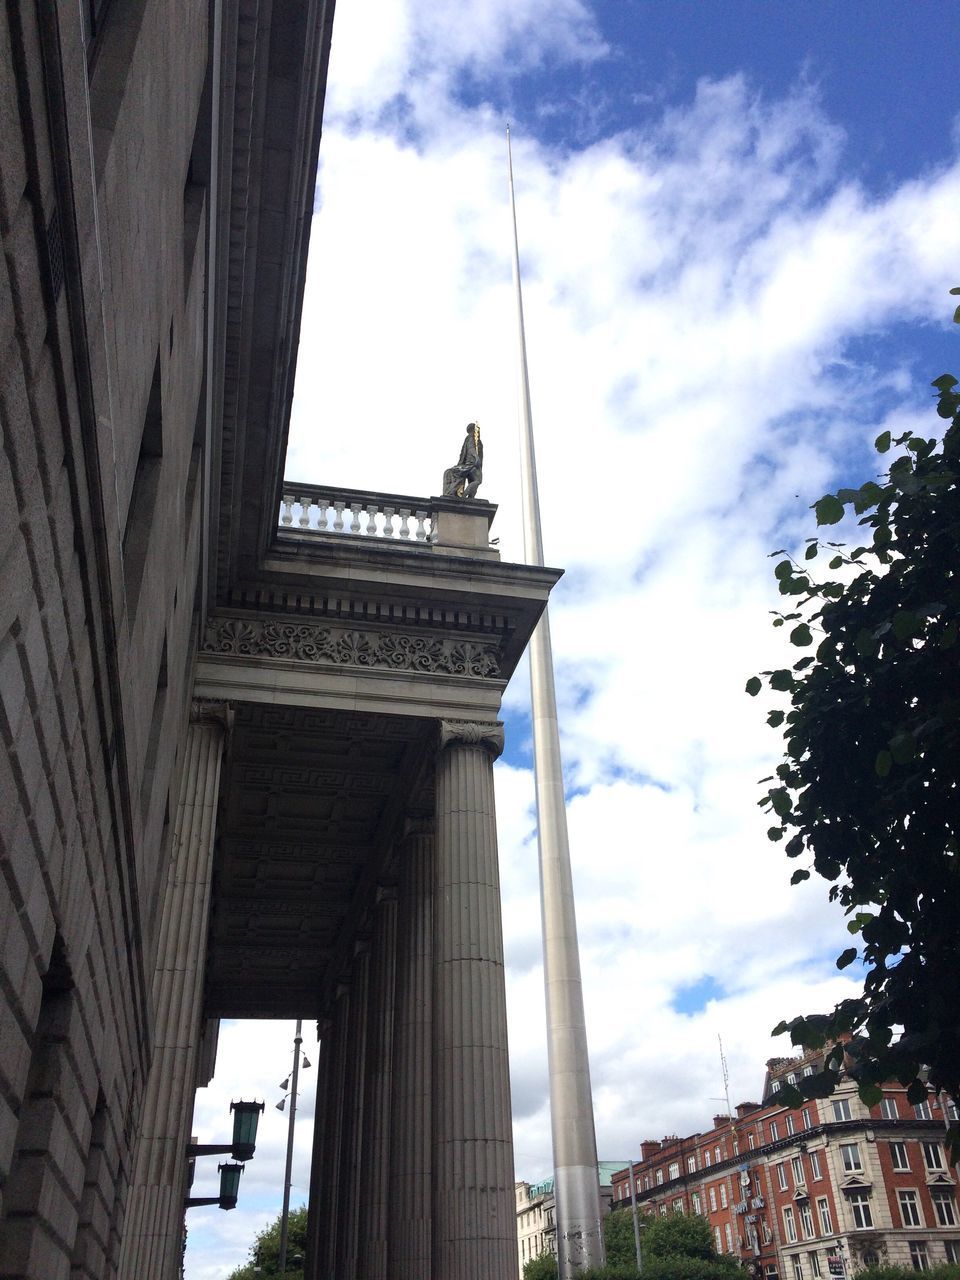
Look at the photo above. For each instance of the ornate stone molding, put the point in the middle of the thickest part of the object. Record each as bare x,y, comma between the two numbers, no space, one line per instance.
340,646
212,711
466,733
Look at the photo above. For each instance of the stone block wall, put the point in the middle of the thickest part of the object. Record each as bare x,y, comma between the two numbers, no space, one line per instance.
101,366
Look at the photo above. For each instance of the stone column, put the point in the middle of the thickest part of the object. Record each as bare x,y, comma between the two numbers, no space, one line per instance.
411,1122
152,1235
353,1151
311,1262
375,1166
474,1218
326,1188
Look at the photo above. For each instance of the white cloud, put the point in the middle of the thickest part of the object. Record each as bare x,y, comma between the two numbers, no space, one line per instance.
698,293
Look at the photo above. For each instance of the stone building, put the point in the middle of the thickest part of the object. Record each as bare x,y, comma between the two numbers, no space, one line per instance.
246,767
536,1212
821,1190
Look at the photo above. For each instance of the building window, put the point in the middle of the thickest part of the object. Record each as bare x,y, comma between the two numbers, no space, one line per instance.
805,1117
952,1114
952,1250
678,1205
728,1230
716,1154
797,1266
888,1108
774,1131
898,1154
790,1225
806,1220
663,1211
713,1200
718,1239
850,1153
841,1109
706,1159
750,1140
944,1206
815,1169
646,1182
815,1265
791,1077
791,1127
932,1155
723,1195
826,1223
859,1202
808,1070
909,1208
695,1202
782,1176
674,1170
691,1164
922,1112
659,1177
918,1255
796,1164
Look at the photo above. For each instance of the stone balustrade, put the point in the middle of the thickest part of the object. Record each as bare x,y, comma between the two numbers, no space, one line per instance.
357,514
444,526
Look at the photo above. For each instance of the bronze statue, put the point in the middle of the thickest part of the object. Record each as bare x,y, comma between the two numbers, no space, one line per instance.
463,480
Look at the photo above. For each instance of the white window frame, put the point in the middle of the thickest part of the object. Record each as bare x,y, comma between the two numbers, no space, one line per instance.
888,1109
933,1156
696,1202
712,1194
774,1131
750,1140
797,1263
723,1195
805,1117
718,1238
841,1109
796,1167
898,1149
691,1164
716,1155
816,1172
919,1256
706,1160
782,1176
789,1224
826,1217
678,1205
922,1110
951,1249
850,1155
909,1202
673,1170
659,1177
791,1125
815,1270
807,1229
860,1210
728,1232
944,1206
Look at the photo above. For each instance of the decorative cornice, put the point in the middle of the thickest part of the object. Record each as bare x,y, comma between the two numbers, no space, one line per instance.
350,647
467,733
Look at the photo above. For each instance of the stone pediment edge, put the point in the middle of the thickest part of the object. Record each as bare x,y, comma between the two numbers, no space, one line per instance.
352,645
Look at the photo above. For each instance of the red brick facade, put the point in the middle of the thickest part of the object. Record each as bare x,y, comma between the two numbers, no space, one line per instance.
823,1189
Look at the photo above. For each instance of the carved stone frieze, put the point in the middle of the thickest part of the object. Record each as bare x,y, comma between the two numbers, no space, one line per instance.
336,646
460,733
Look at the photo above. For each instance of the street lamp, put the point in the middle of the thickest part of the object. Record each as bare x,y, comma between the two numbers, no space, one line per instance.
291,1080
636,1216
246,1116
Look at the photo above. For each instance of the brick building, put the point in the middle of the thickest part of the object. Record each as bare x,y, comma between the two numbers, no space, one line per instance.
818,1190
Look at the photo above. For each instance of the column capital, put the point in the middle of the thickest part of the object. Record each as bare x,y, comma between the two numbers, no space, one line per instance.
212,711
468,733
419,825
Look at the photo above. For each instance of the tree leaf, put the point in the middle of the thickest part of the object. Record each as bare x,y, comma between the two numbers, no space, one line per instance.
801,635
882,442
774,719
828,510
811,552
782,681
846,957
754,685
799,875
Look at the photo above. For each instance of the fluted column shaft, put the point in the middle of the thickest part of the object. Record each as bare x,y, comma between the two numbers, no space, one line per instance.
152,1238
375,1162
324,1211
474,1222
321,1135
411,1141
352,1098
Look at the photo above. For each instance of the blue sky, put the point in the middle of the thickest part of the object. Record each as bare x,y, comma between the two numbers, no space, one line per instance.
738,227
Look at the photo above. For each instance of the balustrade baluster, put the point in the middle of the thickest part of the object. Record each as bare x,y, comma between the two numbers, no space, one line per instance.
421,518
404,517
305,503
322,508
338,518
371,510
356,508
388,514
287,517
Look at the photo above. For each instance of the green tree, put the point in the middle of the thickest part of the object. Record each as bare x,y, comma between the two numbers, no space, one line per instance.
677,1235
618,1238
543,1267
867,795
265,1251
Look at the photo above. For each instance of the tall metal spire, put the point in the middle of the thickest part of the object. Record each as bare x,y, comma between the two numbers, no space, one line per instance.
576,1183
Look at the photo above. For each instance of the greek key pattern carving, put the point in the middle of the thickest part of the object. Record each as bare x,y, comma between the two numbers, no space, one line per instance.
333,646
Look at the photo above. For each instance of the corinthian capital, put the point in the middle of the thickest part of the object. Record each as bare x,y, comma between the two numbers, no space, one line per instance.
468,733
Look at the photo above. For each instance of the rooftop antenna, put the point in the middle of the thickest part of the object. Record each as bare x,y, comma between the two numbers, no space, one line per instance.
576,1181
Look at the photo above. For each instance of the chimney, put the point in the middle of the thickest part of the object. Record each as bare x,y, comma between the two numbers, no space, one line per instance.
648,1149
720,1121
744,1108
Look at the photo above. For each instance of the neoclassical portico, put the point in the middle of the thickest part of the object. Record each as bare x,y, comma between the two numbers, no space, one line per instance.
341,844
